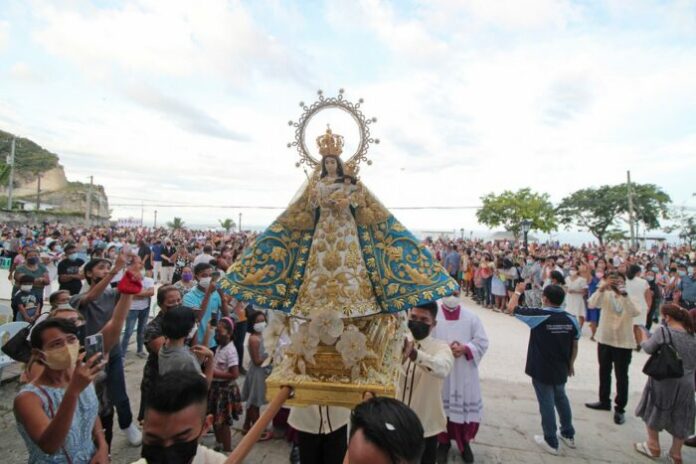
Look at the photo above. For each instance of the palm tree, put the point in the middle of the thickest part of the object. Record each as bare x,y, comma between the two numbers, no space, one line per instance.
176,224
227,224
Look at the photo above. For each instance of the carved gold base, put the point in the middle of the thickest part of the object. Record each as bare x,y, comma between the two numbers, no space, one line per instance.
328,381
327,394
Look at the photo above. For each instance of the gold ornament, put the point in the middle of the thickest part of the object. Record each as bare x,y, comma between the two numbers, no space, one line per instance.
330,144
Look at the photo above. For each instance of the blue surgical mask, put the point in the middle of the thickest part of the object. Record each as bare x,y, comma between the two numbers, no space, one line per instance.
682,273
655,269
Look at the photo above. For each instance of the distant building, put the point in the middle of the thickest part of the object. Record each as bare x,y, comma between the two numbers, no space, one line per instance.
129,222
31,206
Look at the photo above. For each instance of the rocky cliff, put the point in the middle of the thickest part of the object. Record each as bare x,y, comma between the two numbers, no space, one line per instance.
57,194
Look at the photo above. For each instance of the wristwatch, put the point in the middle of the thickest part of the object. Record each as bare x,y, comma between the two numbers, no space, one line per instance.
518,293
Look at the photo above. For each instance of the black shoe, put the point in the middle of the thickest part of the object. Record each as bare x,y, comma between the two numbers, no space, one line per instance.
619,418
442,452
467,454
598,406
295,455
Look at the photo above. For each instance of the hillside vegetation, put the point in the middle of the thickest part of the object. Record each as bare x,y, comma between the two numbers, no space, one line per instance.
30,158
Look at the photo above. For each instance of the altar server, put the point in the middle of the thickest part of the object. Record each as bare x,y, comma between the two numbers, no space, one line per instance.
463,331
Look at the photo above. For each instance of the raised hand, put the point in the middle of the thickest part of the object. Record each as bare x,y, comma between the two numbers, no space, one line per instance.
86,372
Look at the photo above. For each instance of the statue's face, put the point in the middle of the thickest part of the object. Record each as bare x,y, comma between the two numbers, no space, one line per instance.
331,166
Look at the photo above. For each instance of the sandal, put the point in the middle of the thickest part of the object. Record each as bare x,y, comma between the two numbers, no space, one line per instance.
644,449
672,460
265,436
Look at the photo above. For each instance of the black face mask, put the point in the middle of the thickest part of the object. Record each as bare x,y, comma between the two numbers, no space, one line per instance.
178,453
419,329
32,261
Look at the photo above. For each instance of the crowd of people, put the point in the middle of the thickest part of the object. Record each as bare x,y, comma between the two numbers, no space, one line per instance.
621,292
73,284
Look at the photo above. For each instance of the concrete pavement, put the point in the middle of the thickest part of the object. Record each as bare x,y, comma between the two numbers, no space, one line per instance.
511,411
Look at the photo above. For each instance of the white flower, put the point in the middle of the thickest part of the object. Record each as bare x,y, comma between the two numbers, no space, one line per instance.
304,344
355,372
301,366
327,325
352,346
275,328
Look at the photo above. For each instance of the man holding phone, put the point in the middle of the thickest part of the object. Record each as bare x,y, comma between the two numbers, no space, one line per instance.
615,342
205,300
97,306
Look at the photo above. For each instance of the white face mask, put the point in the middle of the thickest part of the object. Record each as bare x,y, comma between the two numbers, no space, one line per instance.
259,327
25,288
204,282
450,302
573,272
64,306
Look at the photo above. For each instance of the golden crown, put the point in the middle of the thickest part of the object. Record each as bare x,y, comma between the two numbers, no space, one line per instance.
330,144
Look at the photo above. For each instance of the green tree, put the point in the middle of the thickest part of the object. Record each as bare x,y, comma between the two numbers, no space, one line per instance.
509,209
176,223
615,235
685,225
650,204
30,158
599,209
594,209
227,224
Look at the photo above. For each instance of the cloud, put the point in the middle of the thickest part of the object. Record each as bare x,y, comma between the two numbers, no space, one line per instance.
567,97
510,15
471,97
175,38
182,113
21,71
4,34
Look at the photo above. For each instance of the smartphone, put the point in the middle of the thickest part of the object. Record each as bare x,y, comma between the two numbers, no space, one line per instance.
213,322
94,344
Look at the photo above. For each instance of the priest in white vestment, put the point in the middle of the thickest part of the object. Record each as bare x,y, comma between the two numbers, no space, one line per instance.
461,392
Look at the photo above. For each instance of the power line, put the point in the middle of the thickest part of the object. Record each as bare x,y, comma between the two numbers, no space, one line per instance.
139,205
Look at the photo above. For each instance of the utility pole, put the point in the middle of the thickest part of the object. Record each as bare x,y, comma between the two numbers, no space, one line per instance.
631,220
155,226
88,212
240,222
11,162
38,191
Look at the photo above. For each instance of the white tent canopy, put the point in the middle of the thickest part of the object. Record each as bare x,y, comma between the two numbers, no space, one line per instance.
505,235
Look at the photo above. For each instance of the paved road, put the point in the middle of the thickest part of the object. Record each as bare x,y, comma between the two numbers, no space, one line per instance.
511,412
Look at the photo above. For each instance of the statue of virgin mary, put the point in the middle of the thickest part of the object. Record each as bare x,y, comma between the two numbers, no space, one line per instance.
337,248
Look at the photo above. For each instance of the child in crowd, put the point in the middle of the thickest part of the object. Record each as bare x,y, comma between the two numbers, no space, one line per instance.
24,302
254,390
177,323
224,400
